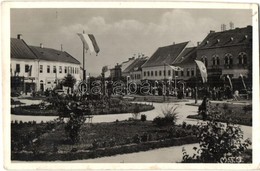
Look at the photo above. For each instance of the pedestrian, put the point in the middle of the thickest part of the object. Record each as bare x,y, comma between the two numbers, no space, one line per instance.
203,108
236,95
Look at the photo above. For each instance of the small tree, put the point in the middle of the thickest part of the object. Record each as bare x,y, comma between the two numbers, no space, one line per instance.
69,81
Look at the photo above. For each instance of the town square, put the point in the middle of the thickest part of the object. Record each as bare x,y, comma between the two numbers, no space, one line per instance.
132,85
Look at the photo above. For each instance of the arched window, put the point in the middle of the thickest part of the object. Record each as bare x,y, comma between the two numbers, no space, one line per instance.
228,59
218,61
215,60
204,60
242,58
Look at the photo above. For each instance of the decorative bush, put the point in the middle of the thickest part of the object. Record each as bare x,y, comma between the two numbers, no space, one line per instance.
219,143
136,139
143,117
170,116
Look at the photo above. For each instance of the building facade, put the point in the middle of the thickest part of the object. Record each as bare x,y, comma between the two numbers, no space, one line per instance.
135,69
157,67
227,52
40,68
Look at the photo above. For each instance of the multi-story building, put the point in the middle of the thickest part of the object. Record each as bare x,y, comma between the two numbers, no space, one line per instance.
227,52
187,62
135,70
157,67
41,68
125,64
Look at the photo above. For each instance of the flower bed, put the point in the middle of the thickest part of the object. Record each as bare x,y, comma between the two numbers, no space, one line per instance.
98,140
37,110
232,113
101,152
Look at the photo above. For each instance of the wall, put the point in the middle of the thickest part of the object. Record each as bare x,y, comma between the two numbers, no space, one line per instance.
234,50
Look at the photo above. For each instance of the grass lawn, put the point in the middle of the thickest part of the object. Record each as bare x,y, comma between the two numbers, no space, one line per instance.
101,139
232,113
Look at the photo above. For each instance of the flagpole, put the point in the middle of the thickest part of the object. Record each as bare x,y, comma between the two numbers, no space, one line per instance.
196,85
84,71
164,86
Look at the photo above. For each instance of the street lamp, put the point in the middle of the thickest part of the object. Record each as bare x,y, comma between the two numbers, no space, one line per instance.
127,79
88,82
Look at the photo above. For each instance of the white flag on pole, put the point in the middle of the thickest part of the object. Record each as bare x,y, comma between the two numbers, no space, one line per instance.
203,71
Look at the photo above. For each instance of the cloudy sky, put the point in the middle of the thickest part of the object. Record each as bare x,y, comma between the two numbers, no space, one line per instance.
120,33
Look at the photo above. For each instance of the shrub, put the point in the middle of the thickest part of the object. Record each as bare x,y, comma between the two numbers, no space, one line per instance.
95,144
247,108
136,139
225,106
218,143
136,112
144,137
170,116
184,124
143,117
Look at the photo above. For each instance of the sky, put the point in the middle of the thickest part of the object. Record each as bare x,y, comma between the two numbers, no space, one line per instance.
120,33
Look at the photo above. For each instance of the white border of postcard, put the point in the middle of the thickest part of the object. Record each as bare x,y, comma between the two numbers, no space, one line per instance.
5,52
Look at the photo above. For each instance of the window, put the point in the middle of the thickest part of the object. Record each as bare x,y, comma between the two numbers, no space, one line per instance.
65,69
182,73
54,69
192,72
242,58
144,74
17,69
48,68
60,69
204,60
151,73
41,68
148,73
188,72
160,73
26,69
164,73
155,73
215,60
228,59
176,73
169,72
218,62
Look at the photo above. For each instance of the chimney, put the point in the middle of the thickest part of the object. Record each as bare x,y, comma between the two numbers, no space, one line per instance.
61,48
198,43
41,45
19,36
173,43
211,31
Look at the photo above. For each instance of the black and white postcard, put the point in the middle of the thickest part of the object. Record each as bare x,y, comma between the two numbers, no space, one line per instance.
130,85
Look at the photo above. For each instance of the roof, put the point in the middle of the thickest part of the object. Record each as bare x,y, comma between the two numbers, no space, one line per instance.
136,65
53,55
166,54
187,56
20,50
232,37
